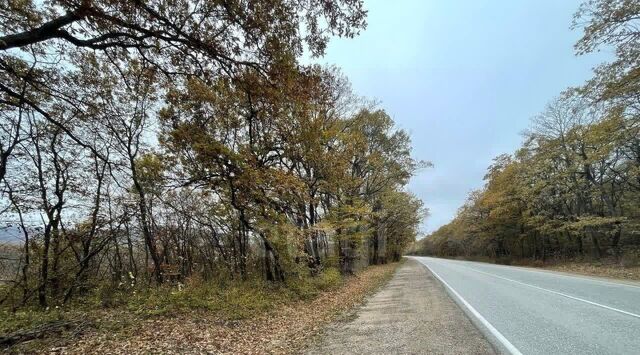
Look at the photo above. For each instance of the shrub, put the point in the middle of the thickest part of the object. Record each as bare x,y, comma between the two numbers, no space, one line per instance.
630,259
305,287
329,279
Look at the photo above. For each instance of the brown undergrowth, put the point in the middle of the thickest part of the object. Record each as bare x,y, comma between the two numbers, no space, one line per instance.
280,325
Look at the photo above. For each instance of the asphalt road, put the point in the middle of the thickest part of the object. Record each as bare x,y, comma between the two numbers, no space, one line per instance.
527,311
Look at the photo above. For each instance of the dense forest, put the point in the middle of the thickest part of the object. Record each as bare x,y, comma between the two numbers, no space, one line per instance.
572,190
149,142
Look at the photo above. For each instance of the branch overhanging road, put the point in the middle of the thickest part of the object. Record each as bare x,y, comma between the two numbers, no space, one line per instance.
525,311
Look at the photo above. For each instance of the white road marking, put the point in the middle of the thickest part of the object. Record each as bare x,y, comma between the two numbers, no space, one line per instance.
557,293
506,343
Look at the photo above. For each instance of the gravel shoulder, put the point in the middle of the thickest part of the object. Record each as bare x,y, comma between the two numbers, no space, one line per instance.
412,314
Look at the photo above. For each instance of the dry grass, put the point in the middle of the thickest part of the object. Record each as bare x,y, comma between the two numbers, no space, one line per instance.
283,330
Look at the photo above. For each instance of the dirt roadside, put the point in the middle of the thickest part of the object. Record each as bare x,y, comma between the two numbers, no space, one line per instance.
412,314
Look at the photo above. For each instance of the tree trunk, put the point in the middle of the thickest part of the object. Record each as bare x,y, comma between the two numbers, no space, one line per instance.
44,267
144,222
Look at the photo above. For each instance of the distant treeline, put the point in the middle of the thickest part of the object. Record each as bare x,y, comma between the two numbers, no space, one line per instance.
573,189
146,142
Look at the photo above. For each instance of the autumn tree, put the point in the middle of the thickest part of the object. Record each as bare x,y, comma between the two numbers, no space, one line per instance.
148,143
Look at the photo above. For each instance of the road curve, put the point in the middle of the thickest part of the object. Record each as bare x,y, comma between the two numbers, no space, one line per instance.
538,312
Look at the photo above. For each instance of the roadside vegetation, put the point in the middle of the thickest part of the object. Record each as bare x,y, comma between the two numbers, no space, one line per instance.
572,191
162,157
246,318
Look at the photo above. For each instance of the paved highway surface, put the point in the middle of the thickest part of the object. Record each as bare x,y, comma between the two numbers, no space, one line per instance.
527,311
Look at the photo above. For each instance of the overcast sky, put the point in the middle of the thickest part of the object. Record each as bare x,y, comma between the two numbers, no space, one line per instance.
464,78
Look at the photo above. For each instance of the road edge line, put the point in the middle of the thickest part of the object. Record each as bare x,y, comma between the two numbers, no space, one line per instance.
502,344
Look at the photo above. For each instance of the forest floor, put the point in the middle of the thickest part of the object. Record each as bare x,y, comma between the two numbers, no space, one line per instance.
283,329
412,314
